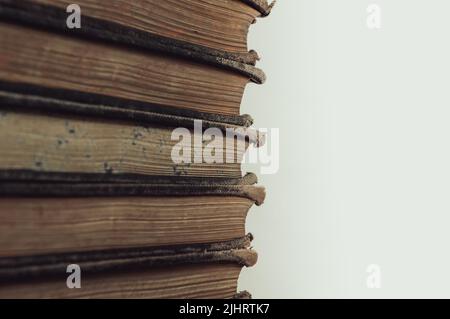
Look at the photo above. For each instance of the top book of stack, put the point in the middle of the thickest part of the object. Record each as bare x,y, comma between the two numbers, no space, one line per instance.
201,46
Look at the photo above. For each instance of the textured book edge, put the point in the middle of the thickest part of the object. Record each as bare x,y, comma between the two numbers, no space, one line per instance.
52,18
51,177
242,295
261,5
30,96
237,251
23,183
122,110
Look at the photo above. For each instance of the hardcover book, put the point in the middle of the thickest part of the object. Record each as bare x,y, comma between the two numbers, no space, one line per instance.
121,143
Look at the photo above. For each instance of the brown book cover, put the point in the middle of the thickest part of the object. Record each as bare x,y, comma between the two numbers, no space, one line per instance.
191,28
210,94
195,271
72,144
40,58
48,214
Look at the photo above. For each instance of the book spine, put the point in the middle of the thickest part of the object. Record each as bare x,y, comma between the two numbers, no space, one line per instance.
48,266
52,18
117,109
260,5
30,189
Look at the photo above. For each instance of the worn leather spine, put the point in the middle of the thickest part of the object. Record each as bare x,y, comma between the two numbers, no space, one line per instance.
15,183
24,98
236,251
52,18
261,5
35,97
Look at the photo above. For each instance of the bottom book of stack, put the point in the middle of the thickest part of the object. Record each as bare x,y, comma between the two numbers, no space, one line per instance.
158,239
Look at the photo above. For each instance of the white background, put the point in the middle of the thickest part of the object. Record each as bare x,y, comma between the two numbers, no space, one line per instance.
364,177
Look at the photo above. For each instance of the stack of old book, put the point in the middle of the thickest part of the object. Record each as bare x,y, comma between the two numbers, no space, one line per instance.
119,176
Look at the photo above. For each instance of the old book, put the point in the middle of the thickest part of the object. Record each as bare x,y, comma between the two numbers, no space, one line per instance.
51,143
74,67
63,216
216,28
195,271
92,171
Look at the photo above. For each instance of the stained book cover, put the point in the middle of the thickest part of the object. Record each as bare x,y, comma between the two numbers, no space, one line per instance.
196,271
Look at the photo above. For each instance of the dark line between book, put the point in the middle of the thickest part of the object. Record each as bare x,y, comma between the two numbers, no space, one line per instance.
30,176
30,184
132,259
34,97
